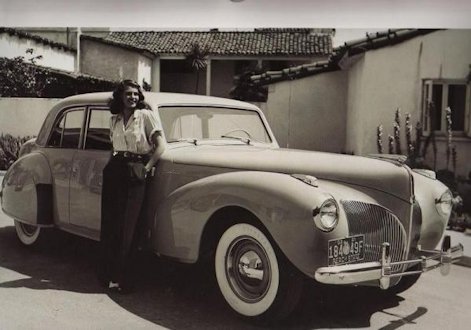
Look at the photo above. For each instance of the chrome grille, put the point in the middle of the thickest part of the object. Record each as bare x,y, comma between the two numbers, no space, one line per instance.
378,225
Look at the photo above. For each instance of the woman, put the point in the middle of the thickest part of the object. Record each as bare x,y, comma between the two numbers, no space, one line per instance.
137,145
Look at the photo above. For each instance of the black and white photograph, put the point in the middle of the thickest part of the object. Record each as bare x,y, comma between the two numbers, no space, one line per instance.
235,164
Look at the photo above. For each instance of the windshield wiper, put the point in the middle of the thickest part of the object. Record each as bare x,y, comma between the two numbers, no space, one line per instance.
189,140
245,140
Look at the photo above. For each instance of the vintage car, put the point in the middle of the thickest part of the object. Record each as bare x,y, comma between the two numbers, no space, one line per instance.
269,218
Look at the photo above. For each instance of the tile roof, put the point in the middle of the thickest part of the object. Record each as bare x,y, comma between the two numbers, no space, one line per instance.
44,41
261,42
371,41
379,40
295,72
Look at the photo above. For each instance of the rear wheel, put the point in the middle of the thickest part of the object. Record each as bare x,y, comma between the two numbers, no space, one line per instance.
255,279
27,234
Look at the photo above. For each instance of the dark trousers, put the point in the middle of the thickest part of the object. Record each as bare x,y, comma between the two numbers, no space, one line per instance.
122,200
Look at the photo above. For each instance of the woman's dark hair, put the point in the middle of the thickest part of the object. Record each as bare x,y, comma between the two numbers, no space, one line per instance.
116,102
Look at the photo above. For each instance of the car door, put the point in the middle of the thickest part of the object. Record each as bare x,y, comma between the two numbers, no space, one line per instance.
87,172
61,147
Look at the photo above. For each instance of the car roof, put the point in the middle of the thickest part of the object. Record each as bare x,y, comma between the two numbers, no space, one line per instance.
159,99
155,100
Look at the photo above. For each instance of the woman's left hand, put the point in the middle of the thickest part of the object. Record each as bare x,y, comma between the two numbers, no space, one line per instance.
149,171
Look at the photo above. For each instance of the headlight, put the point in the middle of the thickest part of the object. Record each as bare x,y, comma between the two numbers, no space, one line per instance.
444,204
327,216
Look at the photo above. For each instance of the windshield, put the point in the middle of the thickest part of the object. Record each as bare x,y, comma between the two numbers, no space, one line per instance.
205,123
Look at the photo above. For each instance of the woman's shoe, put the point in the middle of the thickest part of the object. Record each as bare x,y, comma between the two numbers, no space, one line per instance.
114,287
118,288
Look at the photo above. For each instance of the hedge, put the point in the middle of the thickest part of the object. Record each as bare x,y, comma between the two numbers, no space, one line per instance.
23,79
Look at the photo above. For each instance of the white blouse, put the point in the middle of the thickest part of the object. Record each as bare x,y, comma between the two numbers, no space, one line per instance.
136,135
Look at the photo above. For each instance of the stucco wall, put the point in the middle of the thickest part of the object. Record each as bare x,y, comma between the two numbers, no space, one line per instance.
144,71
66,35
463,151
116,64
58,34
23,116
309,113
391,77
12,46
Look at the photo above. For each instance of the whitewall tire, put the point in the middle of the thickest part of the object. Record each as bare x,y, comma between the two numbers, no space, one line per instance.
253,278
27,234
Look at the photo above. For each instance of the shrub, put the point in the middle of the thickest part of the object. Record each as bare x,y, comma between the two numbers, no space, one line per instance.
246,90
21,77
9,149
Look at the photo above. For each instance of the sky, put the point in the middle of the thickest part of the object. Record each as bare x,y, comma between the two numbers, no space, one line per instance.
351,18
247,13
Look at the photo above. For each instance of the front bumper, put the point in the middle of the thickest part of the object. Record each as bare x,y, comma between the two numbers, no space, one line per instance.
381,270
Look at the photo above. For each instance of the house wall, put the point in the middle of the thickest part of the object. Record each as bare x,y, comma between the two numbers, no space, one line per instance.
309,113
382,80
144,69
117,64
223,72
60,34
12,46
65,35
23,116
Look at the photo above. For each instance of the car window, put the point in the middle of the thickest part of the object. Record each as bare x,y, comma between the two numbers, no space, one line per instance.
98,132
66,132
212,123
186,126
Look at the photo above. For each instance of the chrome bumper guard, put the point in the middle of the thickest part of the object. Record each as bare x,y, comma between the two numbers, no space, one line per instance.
381,270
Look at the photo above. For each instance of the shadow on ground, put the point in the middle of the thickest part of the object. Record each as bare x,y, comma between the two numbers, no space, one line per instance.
179,296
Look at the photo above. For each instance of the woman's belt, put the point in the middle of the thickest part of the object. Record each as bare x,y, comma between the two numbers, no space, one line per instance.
130,156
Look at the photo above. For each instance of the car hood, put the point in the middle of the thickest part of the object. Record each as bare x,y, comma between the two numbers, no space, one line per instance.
389,177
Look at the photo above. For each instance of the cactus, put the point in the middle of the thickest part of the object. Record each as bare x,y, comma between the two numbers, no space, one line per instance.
379,141
391,144
417,149
449,136
397,131
410,144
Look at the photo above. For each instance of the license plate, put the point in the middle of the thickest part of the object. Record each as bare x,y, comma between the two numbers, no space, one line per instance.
346,250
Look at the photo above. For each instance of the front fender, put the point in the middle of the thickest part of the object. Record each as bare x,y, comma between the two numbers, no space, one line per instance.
27,190
427,191
283,204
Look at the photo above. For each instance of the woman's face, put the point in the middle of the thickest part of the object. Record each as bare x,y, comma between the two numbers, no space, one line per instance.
130,97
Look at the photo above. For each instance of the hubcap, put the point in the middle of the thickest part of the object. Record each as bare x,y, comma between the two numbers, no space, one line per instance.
248,269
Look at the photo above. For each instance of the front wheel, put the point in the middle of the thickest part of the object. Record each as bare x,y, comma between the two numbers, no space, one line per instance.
405,283
255,280
27,234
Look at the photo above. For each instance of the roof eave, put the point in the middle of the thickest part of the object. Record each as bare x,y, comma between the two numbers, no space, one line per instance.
352,49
